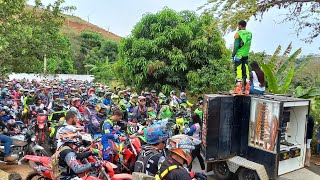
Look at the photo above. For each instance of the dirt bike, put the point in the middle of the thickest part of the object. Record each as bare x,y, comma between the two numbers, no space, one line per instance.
128,148
182,121
55,121
137,130
41,128
23,144
104,170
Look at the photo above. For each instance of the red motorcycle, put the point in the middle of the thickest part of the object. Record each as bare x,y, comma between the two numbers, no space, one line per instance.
105,170
129,149
41,128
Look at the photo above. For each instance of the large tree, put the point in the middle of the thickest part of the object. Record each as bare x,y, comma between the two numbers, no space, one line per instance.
304,13
33,34
165,46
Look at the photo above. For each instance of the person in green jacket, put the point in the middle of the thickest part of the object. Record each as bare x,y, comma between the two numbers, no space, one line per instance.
242,44
199,108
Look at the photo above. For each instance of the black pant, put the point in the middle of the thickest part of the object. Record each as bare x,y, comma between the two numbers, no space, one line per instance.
196,153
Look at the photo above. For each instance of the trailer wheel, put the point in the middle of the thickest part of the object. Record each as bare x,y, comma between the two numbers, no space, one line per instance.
247,174
221,170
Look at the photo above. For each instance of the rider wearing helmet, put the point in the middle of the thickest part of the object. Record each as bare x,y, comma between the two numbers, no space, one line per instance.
110,133
4,97
199,108
115,100
149,101
173,96
184,102
123,104
68,158
154,96
107,100
61,91
132,103
151,155
76,107
168,111
140,112
58,105
162,100
6,140
97,119
100,94
28,100
128,95
90,110
55,95
47,96
180,147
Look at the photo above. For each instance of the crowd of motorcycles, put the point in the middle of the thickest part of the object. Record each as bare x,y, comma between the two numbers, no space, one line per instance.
33,111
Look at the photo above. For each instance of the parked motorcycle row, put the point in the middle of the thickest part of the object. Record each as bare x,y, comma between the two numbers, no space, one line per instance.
33,112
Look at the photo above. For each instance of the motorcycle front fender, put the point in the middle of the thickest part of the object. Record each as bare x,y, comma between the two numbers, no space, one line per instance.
121,176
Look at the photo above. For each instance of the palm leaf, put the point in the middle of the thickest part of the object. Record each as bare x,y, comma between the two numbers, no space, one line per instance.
288,62
287,81
274,57
288,50
272,81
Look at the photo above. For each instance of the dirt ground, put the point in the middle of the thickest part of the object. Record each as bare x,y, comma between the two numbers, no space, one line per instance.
25,169
22,169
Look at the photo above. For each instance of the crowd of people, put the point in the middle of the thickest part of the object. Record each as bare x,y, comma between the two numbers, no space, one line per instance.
104,112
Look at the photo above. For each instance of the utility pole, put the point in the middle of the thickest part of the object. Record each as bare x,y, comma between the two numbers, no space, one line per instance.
45,65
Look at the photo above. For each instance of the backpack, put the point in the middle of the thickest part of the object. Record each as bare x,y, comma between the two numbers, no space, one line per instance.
54,163
143,159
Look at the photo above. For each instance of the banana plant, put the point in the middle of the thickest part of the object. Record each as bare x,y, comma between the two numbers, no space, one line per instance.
301,92
279,70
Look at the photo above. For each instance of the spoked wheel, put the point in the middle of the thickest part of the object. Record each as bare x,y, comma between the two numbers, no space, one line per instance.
221,170
247,174
35,176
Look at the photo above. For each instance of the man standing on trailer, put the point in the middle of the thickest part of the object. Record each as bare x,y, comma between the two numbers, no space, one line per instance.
242,44
310,125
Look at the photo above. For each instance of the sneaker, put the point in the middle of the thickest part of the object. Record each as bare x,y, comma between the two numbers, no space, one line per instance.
247,88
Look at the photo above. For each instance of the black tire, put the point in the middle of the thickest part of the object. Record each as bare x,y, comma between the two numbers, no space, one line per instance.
221,170
247,174
35,176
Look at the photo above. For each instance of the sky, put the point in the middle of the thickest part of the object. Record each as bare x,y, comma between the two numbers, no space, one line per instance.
120,16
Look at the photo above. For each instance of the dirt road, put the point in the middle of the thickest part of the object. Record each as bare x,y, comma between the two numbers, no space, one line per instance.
22,169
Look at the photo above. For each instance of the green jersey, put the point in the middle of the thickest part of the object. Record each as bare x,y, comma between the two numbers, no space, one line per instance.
242,43
200,113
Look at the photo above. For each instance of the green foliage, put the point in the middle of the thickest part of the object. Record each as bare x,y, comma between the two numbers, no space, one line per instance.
280,70
217,76
32,34
232,11
95,49
166,46
309,74
102,71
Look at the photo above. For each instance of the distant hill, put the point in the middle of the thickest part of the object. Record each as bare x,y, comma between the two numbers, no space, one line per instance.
73,26
77,25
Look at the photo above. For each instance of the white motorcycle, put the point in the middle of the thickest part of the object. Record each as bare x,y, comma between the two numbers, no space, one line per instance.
24,144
